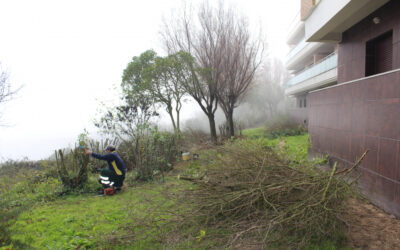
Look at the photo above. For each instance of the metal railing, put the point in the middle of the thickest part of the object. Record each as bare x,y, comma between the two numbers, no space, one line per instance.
327,63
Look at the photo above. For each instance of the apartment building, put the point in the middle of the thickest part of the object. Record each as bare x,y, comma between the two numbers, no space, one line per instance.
313,65
345,63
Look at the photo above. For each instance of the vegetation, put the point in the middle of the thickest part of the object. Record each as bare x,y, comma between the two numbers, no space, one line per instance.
209,35
258,190
280,126
154,152
283,125
196,214
248,189
160,79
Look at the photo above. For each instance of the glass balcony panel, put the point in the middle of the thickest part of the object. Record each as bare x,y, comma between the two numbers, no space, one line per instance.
326,64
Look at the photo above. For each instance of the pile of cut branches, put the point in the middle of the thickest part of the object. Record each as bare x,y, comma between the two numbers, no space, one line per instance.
250,190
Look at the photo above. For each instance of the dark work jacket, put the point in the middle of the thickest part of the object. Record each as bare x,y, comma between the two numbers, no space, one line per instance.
115,163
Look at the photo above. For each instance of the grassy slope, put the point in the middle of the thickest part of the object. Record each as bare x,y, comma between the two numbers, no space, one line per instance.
107,222
94,221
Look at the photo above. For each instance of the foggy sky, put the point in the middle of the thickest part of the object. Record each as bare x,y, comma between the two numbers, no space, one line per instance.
69,57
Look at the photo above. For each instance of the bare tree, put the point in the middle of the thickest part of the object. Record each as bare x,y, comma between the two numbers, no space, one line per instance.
201,37
242,57
6,93
219,39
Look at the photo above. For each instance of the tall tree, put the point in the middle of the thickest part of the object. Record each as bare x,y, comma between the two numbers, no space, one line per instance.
242,58
158,79
183,33
165,83
219,39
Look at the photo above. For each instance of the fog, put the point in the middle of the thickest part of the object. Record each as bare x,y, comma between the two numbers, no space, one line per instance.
263,101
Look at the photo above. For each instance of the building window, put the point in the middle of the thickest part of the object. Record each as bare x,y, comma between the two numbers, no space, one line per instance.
301,103
305,102
379,54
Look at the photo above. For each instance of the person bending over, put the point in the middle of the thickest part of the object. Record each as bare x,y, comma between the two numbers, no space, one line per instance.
114,175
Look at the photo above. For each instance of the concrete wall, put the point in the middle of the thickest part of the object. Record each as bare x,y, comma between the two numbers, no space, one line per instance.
347,119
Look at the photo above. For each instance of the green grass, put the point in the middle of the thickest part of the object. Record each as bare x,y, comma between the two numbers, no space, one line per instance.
137,218
89,221
254,132
294,148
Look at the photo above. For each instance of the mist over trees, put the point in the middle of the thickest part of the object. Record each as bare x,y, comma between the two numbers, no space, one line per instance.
266,98
219,39
213,59
263,101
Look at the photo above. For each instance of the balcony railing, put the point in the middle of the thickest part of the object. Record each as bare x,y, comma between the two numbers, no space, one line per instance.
296,49
326,64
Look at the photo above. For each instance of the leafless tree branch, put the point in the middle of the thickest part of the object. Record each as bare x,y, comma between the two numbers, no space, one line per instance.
6,91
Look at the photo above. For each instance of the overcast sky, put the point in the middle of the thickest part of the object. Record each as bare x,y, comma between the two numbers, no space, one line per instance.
68,55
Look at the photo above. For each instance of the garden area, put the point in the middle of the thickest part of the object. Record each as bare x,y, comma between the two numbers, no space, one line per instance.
249,193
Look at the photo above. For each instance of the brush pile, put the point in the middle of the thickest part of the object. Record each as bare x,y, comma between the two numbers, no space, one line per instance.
248,189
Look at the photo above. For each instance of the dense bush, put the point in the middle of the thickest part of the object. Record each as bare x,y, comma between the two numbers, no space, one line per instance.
152,152
72,165
283,125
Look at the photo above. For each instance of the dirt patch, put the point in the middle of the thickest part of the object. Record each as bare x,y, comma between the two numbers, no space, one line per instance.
370,227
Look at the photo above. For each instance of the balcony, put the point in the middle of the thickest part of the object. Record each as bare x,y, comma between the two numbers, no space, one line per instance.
300,46
331,18
303,53
319,74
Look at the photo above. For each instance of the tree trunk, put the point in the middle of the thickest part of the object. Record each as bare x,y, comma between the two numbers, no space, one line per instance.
230,123
213,130
169,111
178,109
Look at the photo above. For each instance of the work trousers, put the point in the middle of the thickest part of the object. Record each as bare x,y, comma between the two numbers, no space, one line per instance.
110,179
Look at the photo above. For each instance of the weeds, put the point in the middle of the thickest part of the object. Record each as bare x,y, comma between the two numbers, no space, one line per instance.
283,126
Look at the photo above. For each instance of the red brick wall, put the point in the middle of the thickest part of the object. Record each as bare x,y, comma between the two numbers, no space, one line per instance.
347,119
